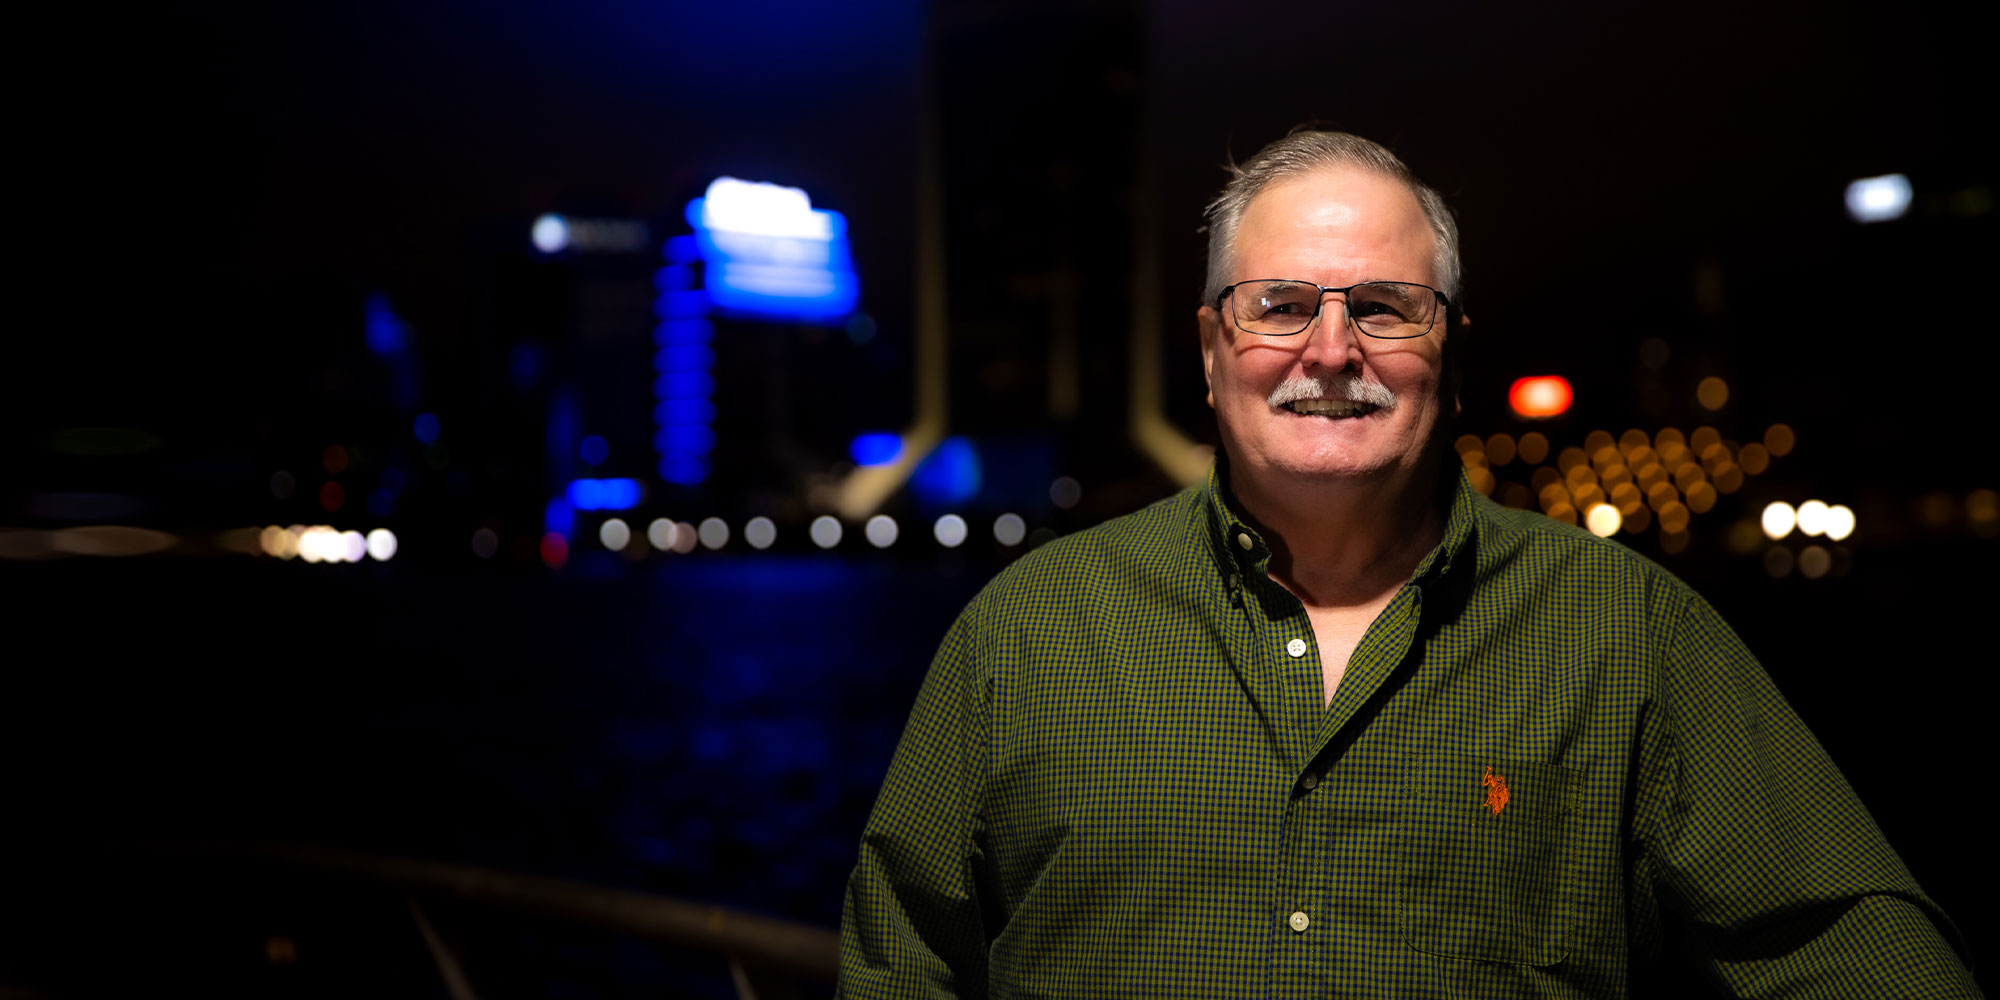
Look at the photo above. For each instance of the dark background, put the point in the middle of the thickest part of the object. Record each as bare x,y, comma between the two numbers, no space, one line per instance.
210,194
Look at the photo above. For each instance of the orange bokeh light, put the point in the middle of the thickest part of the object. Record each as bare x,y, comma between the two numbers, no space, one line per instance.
1539,397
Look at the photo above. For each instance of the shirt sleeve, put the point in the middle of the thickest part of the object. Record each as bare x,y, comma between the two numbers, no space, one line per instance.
1754,843
911,923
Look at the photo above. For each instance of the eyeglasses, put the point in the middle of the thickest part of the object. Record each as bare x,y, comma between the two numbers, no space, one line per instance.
1389,310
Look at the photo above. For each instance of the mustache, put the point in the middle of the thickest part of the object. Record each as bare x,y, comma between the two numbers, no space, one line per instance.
1339,385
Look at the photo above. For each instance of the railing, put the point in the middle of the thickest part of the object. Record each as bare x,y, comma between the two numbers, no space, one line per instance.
768,958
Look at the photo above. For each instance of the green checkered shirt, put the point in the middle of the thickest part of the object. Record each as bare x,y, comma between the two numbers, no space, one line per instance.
1121,779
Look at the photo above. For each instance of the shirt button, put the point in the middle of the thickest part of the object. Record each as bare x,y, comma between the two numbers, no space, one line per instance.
1310,781
1296,647
1243,539
1299,921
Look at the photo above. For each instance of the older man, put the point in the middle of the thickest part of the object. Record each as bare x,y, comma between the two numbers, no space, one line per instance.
1333,724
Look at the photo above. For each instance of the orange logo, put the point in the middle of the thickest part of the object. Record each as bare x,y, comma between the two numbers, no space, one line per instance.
1496,790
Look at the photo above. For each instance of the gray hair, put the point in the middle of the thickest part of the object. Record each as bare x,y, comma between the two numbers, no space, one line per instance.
1302,153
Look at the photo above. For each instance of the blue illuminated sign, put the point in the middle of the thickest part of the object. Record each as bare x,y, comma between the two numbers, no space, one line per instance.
769,254
604,494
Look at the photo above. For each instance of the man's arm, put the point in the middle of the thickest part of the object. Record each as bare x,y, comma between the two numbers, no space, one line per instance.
1752,839
911,924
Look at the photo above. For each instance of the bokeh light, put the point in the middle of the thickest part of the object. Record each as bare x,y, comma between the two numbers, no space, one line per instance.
1778,520
554,550
950,531
713,533
824,531
880,531
760,532
1540,396
1009,529
615,534
1814,561
661,534
485,544
381,545
1812,517
1603,520
1778,562
1500,448
1712,393
1839,522
1533,447
1779,439
1065,492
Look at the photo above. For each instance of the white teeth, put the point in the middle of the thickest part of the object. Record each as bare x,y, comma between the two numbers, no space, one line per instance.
1328,407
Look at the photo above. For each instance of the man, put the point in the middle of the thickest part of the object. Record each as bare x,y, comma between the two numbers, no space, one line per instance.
1334,724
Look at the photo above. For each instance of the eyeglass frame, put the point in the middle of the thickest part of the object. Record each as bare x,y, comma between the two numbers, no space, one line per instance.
1319,304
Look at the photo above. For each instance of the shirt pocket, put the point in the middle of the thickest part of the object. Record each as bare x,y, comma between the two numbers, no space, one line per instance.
1485,863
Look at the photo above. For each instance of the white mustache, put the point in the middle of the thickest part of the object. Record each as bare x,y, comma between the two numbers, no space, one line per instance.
1339,385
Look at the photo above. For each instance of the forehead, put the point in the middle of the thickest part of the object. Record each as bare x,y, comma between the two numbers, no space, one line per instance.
1336,225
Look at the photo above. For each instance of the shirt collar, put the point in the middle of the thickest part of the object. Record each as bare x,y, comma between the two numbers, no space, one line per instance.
1240,551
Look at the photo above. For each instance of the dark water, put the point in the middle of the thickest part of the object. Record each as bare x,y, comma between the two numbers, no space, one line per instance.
712,727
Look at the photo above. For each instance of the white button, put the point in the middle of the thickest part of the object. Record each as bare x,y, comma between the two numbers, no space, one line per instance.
1299,920
1243,539
1311,781
1296,647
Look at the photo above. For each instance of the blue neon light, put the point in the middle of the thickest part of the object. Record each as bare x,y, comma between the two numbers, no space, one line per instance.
387,334
559,517
951,474
594,450
683,469
673,412
604,494
427,428
684,439
877,448
770,254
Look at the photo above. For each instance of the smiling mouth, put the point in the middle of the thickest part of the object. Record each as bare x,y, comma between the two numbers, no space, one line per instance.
1330,408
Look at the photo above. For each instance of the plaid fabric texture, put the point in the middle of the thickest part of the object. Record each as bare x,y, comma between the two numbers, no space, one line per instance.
1548,759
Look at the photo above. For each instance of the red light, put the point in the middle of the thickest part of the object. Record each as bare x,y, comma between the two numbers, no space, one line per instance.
1539,397
555,550
331,496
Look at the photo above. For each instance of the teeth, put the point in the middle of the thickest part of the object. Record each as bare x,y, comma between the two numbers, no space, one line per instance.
1329,407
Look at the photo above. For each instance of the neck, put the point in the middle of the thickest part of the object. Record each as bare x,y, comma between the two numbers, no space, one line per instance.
1345,543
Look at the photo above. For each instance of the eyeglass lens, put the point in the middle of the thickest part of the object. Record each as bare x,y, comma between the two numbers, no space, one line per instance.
1388,309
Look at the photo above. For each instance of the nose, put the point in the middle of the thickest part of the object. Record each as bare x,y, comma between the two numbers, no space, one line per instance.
1331,342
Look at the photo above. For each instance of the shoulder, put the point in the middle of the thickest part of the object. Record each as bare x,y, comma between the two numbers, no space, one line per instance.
1571,571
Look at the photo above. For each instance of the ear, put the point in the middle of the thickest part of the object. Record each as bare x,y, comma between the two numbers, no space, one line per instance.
1458,370
1210,322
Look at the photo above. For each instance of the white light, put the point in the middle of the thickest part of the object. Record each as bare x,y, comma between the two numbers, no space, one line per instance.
1603,520
760,533
714,532
1812,517
1778,519
353,546
661,534
1879,199
825,531
950,531
551,233
1839,522
615,534
1009,529
881,531
381,545
762,210
309,543
684,536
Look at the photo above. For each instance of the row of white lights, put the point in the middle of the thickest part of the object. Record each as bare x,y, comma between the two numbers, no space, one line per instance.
826,531
1814,517
321,543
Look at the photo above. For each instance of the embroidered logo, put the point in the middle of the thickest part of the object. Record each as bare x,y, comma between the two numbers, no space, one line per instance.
1496,790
